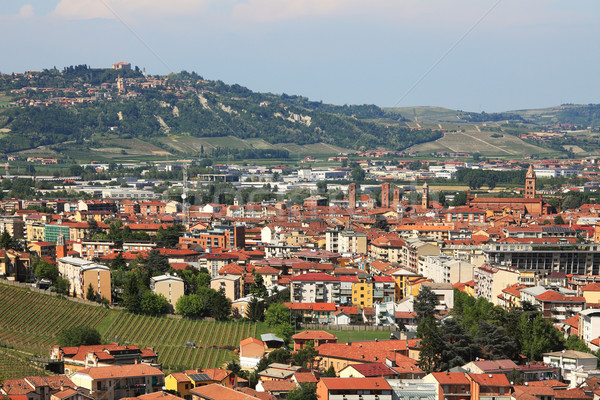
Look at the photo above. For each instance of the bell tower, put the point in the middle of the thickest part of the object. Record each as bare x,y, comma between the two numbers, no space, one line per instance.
425,198
530,183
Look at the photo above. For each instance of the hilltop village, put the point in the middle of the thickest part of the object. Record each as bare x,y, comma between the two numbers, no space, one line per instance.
479,297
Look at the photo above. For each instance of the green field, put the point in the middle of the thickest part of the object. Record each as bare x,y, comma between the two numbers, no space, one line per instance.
31,322
358,336
482,143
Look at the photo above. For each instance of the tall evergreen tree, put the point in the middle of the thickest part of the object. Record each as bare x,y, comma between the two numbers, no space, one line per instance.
430,355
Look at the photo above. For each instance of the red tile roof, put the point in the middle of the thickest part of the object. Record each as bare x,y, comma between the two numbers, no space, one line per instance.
356,383
314,335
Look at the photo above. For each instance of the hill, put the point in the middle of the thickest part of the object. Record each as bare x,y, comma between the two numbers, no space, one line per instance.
31,322
86,109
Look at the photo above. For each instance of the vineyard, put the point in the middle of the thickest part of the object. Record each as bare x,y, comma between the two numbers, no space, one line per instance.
215,341
31,322
15,365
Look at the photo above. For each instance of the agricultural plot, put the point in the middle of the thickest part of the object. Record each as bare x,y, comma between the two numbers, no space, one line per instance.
31,322
480,142
15,365
215,341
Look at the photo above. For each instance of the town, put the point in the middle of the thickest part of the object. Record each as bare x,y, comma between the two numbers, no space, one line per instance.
328,282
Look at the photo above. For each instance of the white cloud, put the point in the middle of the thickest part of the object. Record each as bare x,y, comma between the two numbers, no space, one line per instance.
112,9
26,11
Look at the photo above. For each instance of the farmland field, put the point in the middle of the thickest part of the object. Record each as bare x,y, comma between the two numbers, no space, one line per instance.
480,142
31,322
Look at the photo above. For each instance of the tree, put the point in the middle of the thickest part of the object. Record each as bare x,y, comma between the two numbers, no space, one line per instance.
330,373
219,305
5,239
494,342
575,343
118,262
277,314
79,336
459,346
256,310
358,174
430,355
191,306
306,391
132,293
202,280
90,294
460,199
62,286
277,317
558,220
425,303
155,263
154,304
322,186
45,270
305,357
539,336
257,288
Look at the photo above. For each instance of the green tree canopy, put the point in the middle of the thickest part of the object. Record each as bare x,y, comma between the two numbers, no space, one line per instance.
425,303
306,391
79,336
45,270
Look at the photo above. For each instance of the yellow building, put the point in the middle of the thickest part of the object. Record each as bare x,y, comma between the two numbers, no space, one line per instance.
413,285
35,232
362,292
170,286
183,382
591,292
401,277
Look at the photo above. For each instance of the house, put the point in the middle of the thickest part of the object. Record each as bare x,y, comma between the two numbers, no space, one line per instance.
231,285
116,382
170,286
489,387
102,355
570,362
35,387
251,351
317,338
450,385
363,388
279,389
184,382
589,326
82,273
279,372
15,265
368,370
315,287
340,355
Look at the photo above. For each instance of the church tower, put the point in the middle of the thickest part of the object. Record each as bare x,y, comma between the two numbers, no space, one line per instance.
425,198
530,183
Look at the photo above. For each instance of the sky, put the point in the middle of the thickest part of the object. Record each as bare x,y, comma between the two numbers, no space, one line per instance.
472,55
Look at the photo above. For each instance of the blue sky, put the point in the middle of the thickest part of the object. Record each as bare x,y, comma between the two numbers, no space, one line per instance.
476,55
